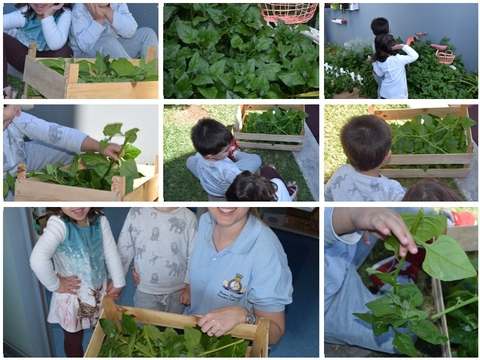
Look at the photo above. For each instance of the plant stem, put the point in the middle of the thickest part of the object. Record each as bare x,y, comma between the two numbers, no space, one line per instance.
455,307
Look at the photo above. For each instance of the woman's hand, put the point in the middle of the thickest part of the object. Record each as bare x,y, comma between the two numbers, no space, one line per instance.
220,321
68,284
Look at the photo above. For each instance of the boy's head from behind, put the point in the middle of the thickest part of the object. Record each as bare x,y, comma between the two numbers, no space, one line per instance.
366,141
380,26
210,137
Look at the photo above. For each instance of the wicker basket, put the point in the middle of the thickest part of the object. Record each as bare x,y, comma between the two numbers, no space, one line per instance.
289,13
445,57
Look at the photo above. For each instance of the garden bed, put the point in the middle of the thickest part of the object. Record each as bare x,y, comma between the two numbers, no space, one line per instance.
33,189
53,85
412,160
258,334
266,141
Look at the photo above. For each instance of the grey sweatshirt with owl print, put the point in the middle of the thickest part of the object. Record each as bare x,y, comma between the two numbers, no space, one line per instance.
160,244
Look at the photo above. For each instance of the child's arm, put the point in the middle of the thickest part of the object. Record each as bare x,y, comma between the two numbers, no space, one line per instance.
13,20
56,33
42,254
380,221
112,257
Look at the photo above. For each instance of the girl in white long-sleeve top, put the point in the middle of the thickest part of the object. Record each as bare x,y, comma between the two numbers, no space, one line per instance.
81,244
109,29
391,65
45,24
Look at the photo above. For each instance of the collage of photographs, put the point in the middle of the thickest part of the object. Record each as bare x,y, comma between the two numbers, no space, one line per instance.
307,104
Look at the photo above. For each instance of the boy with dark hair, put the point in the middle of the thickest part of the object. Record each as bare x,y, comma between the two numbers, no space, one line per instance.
212,164
367,142
379,26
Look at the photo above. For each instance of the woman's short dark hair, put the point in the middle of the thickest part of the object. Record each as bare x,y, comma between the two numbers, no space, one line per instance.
210,136
383,47
366,140
380,26
251,187
93,214
430,189
29,11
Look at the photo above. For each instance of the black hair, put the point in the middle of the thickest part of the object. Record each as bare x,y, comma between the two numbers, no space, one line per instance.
251,187
366,140
29,11
380,26
210,136
383,47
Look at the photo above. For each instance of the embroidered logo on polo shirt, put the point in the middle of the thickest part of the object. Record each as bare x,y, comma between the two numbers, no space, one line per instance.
235,286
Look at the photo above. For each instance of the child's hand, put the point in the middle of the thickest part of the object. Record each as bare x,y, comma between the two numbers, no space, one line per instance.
111,151
135,276
114,292
185,296
52,10
381,222
68,284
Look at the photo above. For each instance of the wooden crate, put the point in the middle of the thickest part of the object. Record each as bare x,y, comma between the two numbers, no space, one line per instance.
33,189
52,85
258,334
462,159
467,237
263,141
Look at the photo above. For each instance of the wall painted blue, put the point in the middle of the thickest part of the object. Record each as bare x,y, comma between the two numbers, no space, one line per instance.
459,22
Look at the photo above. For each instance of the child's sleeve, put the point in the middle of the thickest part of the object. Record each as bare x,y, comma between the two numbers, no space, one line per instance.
126,244
56,33
13,20
43,251
123,21
112,257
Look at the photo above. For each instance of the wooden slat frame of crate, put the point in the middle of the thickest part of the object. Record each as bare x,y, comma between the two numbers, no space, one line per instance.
463,159
258,333
249,141
33,189
53,85
467,237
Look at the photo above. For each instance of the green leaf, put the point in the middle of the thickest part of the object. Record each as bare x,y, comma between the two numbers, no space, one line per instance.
445,260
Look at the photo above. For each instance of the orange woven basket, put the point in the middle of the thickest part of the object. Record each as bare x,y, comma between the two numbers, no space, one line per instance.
289,13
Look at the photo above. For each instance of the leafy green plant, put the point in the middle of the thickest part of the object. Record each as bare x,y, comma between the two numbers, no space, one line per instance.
148,341
430,134
276,121
225,51
399,309
95,171
461,300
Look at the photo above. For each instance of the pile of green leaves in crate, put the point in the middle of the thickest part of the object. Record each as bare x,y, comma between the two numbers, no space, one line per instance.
430,134
275,121
399,309
227,51
93,170
149,341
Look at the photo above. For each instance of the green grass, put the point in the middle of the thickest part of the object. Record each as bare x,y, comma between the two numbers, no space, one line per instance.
179,183
335,117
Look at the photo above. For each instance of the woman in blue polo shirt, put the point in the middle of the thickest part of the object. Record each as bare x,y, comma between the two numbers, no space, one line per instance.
238,273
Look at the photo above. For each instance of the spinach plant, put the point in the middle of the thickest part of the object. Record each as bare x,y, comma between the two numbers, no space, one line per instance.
430,134
276,121
227,51
95,171
399,308
148,341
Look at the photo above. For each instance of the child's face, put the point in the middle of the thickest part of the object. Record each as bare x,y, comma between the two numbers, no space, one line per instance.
40,8
10,112
77,215
221,155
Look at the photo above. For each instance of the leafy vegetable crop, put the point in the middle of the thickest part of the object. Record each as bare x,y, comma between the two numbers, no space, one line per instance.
149,341
430,134
276,121
227,51
399,309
